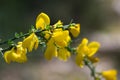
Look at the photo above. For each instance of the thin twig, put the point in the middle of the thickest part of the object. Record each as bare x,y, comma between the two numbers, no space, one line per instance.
89,64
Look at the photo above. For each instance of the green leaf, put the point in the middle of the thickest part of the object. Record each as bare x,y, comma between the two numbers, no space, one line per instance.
17,35
11,42
72,24
47,27
32,27
21,34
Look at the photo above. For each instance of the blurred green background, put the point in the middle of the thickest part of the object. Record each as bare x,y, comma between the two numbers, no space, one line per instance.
99,19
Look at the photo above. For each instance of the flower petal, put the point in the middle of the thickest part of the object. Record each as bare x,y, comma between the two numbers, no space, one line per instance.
75,30
63,54
79,60
42,21
93,48
110,74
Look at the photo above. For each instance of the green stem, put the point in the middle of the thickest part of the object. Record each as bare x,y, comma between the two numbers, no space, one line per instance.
21,36
65,27
37,32
14,38
89,64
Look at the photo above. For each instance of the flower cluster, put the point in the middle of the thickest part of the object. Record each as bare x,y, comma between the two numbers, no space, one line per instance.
57,39
86,50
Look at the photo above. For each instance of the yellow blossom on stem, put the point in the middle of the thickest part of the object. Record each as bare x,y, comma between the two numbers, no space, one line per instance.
63,54
56,39
93,48
75,30
61,38
56,45
31,42
58,24
16,54
51,50
57,30
79,60
85,49
110,75
42,21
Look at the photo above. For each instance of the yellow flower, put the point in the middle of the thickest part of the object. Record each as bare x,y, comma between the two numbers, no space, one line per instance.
79,60
85,49
88,49
93,48
30,42
61,38
56,45
82,47
110,74
42,21
75,30
51,50
7,56
58,24
63,54
57,30
17,54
